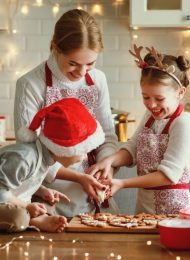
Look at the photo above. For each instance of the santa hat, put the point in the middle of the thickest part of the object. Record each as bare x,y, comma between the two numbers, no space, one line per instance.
68,128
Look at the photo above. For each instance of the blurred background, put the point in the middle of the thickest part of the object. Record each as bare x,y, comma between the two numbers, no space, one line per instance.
26,28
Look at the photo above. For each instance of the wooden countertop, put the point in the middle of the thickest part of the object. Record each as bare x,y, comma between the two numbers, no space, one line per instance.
96,246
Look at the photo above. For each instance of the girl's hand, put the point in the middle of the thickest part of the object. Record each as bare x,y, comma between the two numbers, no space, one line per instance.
116,184
52,196
36,209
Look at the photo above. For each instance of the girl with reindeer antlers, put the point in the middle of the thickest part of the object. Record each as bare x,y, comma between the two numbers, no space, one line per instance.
160,147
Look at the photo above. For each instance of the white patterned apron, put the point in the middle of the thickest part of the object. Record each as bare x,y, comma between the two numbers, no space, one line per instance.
150,151
88,95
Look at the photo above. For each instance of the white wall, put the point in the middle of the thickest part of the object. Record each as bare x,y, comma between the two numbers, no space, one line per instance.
30,45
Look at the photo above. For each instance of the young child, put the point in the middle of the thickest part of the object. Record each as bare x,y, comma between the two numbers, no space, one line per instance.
69,72
160,147
68,132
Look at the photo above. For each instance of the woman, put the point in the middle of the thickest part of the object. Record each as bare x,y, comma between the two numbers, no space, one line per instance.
69,72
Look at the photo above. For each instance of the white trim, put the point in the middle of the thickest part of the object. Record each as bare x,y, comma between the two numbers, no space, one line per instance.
92,142
26,135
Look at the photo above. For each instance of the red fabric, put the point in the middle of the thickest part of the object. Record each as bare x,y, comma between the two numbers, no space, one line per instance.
173,187
48,75
89,80
62,126
175,114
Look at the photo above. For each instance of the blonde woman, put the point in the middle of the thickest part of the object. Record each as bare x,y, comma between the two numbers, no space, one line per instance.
69,72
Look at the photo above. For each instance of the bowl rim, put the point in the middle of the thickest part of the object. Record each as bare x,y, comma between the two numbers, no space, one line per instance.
167,223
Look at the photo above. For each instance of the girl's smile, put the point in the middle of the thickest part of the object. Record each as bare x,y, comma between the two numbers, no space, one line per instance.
161,100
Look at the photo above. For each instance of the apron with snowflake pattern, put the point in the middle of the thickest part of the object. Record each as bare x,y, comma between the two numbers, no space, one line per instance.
88,95
151,147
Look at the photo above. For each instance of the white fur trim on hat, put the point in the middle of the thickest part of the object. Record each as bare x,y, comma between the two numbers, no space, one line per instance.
26,135
89,144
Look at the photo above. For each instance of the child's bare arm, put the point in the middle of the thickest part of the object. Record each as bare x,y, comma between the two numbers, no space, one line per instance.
105,167
50,195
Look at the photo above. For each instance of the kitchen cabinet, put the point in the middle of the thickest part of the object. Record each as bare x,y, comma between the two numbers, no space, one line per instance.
160,13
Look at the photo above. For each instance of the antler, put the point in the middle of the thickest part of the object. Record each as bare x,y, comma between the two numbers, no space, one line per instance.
140,62
158,58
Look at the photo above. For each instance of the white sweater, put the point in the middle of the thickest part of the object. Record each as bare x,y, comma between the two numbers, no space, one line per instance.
177,155
31,93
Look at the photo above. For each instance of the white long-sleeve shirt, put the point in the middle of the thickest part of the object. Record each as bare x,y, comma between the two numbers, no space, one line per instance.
31,93
177,155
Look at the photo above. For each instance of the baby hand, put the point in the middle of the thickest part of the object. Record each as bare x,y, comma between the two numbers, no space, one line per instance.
36,209
52,196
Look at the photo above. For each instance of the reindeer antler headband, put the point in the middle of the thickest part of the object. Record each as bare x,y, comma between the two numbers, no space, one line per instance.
158,62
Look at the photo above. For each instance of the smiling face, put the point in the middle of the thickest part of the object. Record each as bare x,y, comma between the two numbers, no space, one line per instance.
75,64
161,100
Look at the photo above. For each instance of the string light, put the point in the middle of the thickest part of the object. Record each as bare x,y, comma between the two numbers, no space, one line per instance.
7,244
79,7
135,36
24,9
39,2
135,28
97,9
119,1
55,9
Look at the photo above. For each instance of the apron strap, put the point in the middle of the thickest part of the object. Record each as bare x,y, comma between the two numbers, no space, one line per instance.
48,75
89,80
149,122
175,114
172,118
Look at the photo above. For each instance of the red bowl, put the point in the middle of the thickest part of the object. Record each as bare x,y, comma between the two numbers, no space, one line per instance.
175,233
